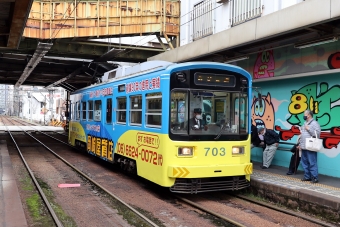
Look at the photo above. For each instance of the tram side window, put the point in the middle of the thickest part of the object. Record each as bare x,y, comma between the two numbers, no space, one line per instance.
90,110
97,110
154,110
121,110
72,111
109,111
179,112
83,104
239,114
136,110
77,110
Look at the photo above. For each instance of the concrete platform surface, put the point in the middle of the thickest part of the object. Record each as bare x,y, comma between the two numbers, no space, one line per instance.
31,128
11,210
322,198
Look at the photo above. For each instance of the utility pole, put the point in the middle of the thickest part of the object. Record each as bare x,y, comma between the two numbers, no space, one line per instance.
29,95
16,101
50,92
44,110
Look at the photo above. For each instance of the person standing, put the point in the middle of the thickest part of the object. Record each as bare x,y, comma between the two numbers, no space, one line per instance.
309,160
271,141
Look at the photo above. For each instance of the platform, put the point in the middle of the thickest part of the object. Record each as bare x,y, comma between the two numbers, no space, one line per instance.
31,128
11,210
322,198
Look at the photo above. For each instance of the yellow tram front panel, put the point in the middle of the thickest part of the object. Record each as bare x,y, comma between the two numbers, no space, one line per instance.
157,157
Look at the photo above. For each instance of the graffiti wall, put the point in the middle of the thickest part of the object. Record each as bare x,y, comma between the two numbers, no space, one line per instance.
289,61
283,106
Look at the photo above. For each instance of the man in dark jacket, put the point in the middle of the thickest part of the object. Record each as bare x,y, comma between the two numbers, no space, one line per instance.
271,140
197,122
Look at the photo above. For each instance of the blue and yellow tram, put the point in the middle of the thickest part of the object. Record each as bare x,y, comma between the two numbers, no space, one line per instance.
184,126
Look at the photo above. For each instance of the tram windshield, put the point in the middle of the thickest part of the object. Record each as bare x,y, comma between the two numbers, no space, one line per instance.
197,112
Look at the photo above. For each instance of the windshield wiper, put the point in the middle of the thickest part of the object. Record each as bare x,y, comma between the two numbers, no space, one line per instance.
224,126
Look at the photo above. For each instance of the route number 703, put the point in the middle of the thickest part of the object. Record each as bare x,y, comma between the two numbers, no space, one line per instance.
214,151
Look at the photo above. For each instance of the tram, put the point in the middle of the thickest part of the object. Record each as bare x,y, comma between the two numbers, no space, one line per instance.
183,126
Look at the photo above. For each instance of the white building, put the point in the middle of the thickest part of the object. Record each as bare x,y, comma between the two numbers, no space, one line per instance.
203,18
39,105
6,99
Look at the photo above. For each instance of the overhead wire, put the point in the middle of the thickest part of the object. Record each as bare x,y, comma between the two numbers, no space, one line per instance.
161,28
133,45
75,16
61,26
153,33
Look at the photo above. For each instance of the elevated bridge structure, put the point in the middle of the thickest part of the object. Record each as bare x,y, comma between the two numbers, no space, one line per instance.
55,40
55,44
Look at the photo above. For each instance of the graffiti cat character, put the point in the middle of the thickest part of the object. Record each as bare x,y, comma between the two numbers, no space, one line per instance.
264,65
263,116
325,106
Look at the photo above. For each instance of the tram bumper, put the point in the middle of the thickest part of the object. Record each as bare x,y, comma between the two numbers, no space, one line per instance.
195,179
210,171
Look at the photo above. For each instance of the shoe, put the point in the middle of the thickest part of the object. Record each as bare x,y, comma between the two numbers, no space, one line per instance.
264,167
305,179
314,181
289,173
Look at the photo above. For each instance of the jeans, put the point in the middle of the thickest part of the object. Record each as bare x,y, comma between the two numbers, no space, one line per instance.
309,163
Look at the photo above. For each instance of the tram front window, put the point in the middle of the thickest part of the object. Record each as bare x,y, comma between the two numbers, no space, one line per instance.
179,115
208,112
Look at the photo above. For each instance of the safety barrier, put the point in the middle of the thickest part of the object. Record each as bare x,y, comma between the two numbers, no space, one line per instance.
56,123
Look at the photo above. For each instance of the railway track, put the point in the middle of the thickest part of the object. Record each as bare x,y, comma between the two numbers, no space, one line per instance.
225,219
8,121
285,211
21,151
236,222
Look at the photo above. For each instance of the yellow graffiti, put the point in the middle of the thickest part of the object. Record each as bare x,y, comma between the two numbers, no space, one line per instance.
313,105
298,104
180,172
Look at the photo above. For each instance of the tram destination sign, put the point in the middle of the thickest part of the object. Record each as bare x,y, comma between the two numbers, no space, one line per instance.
211,79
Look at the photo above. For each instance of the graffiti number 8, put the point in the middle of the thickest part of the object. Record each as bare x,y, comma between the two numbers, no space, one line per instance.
298,104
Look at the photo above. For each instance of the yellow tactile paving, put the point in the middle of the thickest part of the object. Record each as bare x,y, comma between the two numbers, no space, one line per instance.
287,181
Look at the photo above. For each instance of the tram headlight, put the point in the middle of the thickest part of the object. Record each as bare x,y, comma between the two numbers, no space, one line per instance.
238,150
185,151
